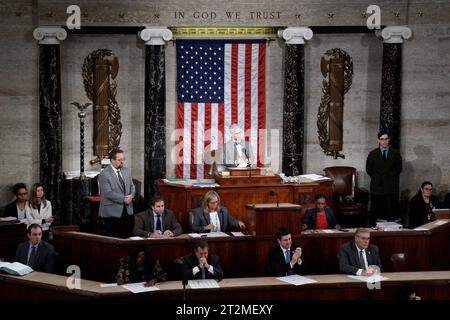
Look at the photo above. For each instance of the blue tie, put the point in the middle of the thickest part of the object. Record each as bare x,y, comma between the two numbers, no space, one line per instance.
288,260
385,154
158,223
203,273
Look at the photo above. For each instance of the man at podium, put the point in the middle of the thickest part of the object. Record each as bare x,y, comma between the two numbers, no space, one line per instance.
235,152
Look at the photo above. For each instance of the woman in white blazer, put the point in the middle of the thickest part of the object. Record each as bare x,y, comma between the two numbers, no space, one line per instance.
38,210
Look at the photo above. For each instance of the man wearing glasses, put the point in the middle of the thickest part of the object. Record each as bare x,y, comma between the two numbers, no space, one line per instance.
359,257
117,191
384,165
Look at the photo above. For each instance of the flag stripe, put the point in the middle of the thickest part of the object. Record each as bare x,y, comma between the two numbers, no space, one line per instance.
248,89
193,131
261,101
234,82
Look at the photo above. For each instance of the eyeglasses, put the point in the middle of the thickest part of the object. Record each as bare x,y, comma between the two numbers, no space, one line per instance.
428,189
364,238
383,139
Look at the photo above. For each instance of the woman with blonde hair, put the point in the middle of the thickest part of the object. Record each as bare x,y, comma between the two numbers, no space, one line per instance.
212,217
39,210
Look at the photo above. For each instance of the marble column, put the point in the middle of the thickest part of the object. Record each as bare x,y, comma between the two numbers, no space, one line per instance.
155,107
50,125
293,101
390,108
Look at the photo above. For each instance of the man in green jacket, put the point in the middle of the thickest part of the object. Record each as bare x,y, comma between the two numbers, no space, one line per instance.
384,165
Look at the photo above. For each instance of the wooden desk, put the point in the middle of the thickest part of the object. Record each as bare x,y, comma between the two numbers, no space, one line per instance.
42,286
182,199
98,255
264,219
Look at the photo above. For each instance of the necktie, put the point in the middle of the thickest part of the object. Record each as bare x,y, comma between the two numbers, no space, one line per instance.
361,260
31,260
288,260
158,223
385,154
203,273
121,180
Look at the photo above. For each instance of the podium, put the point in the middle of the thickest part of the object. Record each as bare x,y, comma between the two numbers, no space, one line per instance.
246,176
264,219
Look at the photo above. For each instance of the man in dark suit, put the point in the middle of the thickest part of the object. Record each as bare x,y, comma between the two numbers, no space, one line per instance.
236,151
201,265
285,258
358,257
36,253
384,165
117,191
156,222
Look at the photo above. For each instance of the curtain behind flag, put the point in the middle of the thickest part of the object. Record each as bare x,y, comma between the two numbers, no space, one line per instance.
219,82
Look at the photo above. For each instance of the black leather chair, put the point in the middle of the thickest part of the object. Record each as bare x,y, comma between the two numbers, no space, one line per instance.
399,262
350,203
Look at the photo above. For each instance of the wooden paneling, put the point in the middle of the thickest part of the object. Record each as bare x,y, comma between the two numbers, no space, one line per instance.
181,199
11,234
98,256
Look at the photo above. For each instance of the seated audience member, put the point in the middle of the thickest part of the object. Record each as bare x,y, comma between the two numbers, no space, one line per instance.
157,221
211,217
320,217
422,204
285,258
201,265
36,253
17,207
38,210
141,266
357,257
408,292
446,203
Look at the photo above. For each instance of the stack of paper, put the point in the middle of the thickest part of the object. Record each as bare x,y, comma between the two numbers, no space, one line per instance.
296,280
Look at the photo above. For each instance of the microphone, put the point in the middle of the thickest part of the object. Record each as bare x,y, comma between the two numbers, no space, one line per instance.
273,193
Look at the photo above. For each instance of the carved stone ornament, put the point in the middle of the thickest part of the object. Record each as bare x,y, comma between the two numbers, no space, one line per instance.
100,70
338,74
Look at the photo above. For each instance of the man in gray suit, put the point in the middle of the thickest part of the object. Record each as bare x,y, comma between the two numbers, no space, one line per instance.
36,253
156,222
359,257
117,191
236,152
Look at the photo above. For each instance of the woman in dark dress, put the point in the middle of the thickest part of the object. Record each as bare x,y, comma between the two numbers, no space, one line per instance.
421,205
141,266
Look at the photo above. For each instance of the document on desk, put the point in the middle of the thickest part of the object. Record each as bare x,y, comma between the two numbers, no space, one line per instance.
440,222
296,280
139,287
238,234
208,235
314,177
107,285
371,279
136,238
203,284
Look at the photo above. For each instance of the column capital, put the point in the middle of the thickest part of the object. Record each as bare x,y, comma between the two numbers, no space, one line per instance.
296,35
155,35
49,34
394,34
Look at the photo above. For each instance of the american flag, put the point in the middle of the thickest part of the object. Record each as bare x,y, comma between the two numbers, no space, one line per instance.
219,82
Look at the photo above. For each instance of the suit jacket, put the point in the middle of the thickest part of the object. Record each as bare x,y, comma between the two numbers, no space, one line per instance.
228,154
202,219
310,218
45,256
384,174
278,265
191,261
113,194
418,211
349,258
144,223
